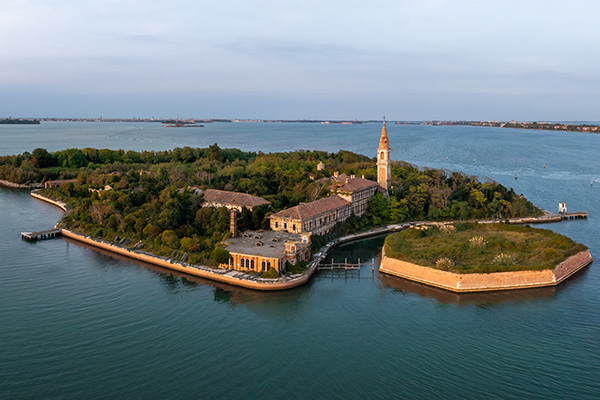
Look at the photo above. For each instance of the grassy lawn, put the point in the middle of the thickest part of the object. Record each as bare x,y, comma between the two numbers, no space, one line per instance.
477,248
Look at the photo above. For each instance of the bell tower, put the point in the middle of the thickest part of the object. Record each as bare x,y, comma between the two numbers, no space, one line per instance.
384,174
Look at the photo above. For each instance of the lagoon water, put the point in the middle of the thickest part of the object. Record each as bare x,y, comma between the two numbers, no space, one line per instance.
76,322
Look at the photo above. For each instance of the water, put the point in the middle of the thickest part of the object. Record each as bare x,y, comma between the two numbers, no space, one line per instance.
76,322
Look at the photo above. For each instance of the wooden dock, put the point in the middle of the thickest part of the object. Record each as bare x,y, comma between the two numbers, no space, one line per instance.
346,265
41,235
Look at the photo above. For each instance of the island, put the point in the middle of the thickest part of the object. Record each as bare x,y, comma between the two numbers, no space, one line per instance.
469,257
19,121
264,221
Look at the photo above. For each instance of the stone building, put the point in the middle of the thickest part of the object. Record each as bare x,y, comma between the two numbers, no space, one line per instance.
261,250
232,200
316,217
58,183
357,191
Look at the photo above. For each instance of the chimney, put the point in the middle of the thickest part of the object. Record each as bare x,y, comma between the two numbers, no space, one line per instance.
233,218
352,176
363,177
336,174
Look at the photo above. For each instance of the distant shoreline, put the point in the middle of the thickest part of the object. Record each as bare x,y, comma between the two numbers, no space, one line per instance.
541,126
545,126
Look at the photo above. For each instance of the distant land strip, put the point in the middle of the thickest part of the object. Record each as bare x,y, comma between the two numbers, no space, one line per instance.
545,126
19,121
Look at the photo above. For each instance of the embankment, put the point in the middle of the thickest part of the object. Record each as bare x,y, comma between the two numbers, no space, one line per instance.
486,282
58,204
227,276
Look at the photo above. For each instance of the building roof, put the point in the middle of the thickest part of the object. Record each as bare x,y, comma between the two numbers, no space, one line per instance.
233,198
384,142
272,244
355,184
307,210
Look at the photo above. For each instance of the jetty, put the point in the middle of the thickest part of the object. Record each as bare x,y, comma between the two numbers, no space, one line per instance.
549,218
345,265
41,235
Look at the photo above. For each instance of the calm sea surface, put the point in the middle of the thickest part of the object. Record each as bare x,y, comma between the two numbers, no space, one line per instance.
77,323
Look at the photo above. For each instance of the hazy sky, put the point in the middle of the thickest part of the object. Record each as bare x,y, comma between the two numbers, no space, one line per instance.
413,60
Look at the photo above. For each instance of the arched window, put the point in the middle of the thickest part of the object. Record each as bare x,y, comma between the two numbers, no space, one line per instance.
242,262
263,266
252,264
231,261
276,224
382,155
268,264
285,225
294,227
247,263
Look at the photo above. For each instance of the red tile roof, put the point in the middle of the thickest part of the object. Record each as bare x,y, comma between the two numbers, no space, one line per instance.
355,184
307,210
233,198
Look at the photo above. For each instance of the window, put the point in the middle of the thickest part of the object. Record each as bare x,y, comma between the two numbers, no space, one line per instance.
247,263
252,264
276,224
294,227
285,225
263,266
242,262
268,264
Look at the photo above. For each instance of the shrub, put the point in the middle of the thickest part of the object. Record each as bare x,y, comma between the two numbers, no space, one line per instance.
271,273
478,241
444,263
504,259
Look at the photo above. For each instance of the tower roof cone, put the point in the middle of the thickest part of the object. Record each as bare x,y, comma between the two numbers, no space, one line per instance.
383,142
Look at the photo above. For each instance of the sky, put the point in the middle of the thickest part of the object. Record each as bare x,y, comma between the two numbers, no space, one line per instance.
324,59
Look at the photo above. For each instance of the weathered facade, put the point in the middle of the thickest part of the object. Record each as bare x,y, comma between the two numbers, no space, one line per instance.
357,191
261,250
317,217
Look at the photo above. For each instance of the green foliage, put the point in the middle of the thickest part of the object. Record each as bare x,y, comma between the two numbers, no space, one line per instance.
220,255
508,248
271,273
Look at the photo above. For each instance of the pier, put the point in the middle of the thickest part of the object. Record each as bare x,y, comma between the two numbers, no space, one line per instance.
346,265
41,235
549,218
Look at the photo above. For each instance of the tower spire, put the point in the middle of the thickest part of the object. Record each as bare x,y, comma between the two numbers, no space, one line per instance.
384,142
384,175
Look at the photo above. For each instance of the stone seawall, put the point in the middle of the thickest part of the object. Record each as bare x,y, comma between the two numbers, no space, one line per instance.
58,204
485,282
227,276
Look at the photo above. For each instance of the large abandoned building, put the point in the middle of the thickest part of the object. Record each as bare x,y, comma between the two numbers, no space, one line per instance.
261,250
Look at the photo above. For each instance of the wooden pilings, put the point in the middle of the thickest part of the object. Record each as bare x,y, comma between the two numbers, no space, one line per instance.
41,235
346,265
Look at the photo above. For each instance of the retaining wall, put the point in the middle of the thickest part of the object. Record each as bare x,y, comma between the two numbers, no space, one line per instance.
485,282
217,275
